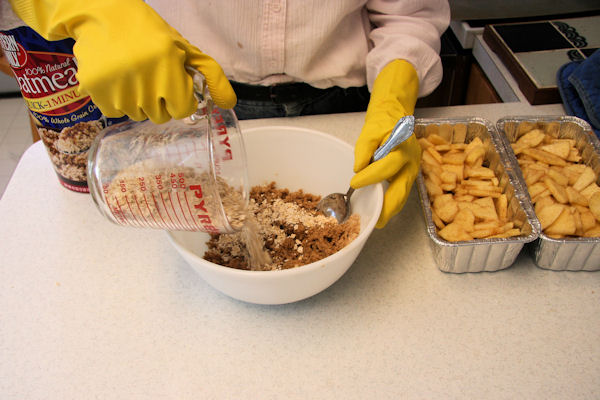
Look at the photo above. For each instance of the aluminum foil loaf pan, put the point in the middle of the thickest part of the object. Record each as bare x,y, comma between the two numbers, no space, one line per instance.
568,253
485,254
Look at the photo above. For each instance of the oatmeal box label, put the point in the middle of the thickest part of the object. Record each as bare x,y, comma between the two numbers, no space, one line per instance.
67,121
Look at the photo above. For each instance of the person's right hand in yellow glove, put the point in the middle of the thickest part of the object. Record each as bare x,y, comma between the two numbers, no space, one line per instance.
130,61
393,96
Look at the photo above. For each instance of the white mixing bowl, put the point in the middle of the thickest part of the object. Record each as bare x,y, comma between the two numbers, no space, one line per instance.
294,158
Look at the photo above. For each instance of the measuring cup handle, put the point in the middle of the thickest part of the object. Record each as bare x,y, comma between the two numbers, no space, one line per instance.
205,103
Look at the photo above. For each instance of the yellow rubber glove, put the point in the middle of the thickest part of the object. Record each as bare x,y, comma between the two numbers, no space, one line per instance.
130,61
393,96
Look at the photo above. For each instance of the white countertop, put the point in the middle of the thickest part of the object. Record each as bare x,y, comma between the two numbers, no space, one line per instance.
92,310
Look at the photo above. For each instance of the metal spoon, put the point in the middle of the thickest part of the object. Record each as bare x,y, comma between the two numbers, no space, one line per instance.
338,204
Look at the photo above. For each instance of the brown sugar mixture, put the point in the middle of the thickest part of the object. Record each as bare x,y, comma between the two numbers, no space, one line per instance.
293,231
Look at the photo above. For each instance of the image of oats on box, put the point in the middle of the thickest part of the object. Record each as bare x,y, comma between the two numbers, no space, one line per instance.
67,122
68,150
473,208
558,160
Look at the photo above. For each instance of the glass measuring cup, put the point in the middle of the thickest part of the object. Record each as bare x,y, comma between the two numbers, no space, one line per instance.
182,175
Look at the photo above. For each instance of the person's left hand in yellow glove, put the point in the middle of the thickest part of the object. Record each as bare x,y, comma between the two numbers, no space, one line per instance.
393,96
130,61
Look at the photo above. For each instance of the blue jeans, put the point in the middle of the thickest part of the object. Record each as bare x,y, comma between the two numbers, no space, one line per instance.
326,101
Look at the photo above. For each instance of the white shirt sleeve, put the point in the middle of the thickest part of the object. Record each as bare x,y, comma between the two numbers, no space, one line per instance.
408,30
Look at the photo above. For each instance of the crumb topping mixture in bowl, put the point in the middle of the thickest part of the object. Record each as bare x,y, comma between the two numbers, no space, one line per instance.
288,227
304,164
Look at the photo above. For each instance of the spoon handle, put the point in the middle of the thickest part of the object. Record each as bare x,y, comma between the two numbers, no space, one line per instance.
349,193
402,131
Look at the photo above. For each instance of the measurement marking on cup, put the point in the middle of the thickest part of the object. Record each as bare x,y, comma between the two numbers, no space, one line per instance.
185,216
158,210
150,211
175,211
118,214
167,211
141,182
115,213
159,186
138,207
190,210
186,224
122,219
139,225
146,222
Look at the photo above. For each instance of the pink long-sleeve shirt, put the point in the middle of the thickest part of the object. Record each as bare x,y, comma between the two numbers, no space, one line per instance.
320,42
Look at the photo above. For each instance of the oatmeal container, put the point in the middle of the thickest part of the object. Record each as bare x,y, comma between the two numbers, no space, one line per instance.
66,121
490,254
570,253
